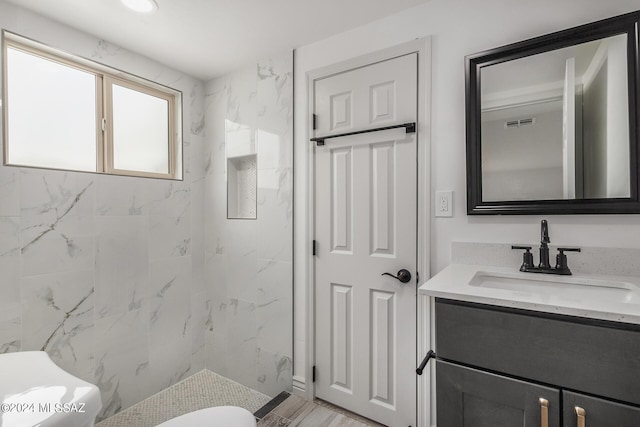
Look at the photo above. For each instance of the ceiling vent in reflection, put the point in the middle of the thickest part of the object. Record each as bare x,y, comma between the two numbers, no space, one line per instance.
519,122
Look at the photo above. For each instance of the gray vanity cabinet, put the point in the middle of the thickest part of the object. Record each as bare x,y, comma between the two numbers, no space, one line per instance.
504,367
598,412
473,398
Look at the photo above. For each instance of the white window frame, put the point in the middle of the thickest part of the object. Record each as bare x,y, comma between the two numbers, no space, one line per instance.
105,78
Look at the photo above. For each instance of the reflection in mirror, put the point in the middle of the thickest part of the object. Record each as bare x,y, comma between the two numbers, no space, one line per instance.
556,125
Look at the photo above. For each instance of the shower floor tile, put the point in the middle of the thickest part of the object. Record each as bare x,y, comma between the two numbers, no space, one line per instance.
206,389
202,390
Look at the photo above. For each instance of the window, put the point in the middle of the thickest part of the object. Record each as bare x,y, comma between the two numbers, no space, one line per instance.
65,112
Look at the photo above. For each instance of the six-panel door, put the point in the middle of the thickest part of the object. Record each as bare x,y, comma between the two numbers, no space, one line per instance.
366,225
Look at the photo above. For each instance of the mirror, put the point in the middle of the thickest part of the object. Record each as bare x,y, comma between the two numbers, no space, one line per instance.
556,125
551,123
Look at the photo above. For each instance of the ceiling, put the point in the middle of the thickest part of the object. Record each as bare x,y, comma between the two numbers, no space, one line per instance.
540,69
208,38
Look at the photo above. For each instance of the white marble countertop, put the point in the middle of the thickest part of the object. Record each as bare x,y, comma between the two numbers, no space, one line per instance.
614,298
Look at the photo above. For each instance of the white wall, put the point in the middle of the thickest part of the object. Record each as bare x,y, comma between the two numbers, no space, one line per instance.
537,172
595,134
458,28
248,262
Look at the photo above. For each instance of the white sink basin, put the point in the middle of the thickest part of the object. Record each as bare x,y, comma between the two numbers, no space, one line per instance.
598,297
567,287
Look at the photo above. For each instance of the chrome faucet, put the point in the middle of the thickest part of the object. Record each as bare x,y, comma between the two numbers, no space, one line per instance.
544,266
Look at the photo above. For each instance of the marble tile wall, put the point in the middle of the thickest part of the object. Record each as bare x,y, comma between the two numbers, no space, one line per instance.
106,273
249,262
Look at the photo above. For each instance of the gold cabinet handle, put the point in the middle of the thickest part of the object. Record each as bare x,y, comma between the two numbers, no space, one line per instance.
581,415
544,412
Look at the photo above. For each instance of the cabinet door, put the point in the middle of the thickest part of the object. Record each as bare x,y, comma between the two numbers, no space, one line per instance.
597,412
471,398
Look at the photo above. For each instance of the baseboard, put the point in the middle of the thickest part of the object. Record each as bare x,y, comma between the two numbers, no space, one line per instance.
299,386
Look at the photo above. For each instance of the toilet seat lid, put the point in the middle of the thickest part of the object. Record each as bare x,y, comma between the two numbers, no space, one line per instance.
36,391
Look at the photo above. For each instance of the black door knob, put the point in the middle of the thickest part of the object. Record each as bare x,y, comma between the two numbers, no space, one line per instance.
403,275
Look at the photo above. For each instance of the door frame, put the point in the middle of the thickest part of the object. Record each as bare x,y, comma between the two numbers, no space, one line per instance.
422,46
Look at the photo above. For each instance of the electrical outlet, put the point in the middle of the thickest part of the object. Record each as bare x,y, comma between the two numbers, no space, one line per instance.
444,202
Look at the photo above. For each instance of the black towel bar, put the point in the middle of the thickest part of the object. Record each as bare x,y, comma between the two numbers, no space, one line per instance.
409,128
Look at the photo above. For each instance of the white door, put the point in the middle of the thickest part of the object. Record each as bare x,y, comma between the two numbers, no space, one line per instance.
366,225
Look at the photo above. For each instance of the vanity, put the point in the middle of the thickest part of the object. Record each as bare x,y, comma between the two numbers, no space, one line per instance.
516,349
552,128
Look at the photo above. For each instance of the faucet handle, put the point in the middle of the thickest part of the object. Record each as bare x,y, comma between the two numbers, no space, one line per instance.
562,250
561,260
527,257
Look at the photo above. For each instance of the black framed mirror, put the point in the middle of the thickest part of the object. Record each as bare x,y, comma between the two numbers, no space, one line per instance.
552,123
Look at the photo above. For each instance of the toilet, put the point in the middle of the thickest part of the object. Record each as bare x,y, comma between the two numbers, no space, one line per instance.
34,391
219,416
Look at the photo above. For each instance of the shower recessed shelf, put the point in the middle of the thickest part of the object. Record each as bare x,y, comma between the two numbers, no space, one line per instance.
242,182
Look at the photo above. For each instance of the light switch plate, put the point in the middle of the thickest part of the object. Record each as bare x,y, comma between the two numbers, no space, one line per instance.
444,203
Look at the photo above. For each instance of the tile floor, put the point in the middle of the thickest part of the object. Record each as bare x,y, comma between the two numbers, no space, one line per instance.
297,412
206,389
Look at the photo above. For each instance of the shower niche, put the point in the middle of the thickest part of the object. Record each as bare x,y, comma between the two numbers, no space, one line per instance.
242,182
